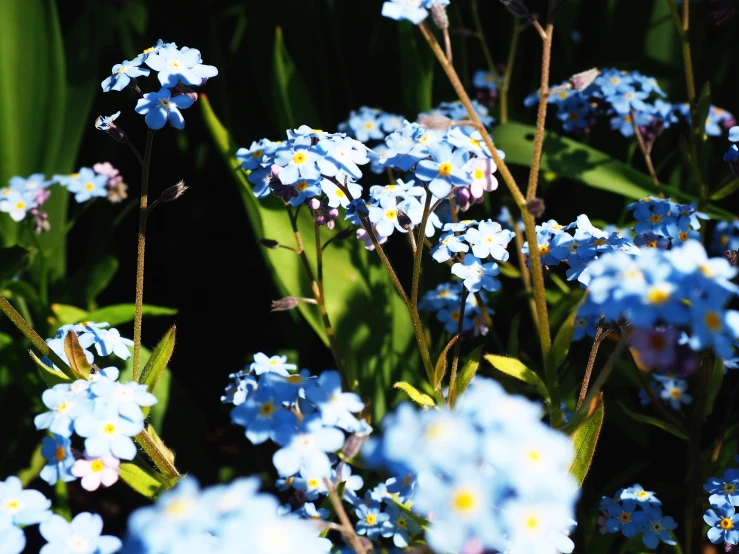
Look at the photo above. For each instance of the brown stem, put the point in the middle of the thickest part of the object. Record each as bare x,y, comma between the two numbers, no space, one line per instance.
541,115
646,153
140,255
589,367
347,527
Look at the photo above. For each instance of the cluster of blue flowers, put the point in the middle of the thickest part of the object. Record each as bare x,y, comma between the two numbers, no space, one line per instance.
99,409
488,474
27,195
634,510
557,246
680,287
177,69
722,516
221,519
414,11
725,237
445,301
662,223
370,124
668,388
626,98
389,203
732,155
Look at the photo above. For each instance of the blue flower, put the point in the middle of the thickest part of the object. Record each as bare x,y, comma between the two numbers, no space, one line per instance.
340,156
12,539
657,528
477,275
723,521
412,10
725,490
57,452
107,432
371,520
122,74
274,364
261,415
336,407
88,184
105,122
489,239
64,408
125,398
297,160
22,507
399,526
621,518
484,80
448,245
443,170
160,107
308,444
309,511
176,65
82,534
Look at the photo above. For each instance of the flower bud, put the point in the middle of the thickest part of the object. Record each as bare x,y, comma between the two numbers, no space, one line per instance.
404,221
284,304
314,204
353,445
330,224
438,14
581,81
333,213
174,192
269,243
536,207
320,220
105,123
435,122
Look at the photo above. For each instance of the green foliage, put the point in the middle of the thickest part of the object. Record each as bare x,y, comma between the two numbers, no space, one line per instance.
585,439
469,369
516,369
656,422
414,394
141,480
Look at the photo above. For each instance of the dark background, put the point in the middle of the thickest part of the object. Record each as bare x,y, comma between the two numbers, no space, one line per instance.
201,255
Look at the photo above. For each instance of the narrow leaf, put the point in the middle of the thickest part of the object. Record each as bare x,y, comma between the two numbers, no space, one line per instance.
649,420
50,376
440,369
584,440
143,481
67,315
294,106
726,190
76,356
516,369
471,364
158,360
563,340
715,379
417,396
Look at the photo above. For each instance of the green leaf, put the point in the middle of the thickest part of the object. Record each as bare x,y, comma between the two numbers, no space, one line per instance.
119,314
417,396
143,481
573,160
649,420
36,464
50,376
584,440
67,315
468,371
516,369
715,379
355,282
421,521
294,106
98,277
13,259
76,356
417,63
441,365
158,360
727,190
563,340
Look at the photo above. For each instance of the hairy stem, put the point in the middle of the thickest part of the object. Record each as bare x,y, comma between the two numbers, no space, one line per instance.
35,339
148,445
589,367
346,524
541,115
143,203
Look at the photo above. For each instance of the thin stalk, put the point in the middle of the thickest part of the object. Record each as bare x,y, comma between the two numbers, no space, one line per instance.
415,284
682,27
529,224
694,492
455,356
541,115
160,460
43,281
483,43
346,524
135,152
509,71
589,367
525,275
143,203
34,337
646,153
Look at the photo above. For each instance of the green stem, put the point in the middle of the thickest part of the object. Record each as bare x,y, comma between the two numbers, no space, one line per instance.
483,43
415,285
35,339
509,72
161,461
682,27
452,396
143,204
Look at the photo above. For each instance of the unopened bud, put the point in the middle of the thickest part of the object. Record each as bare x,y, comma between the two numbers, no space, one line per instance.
581,81
330,224
284,304
181,89
320,220
732,256
314,204
105,123
353,445
438,14
517,8
174,192
333,213
269,243
404,221
536,207
435,122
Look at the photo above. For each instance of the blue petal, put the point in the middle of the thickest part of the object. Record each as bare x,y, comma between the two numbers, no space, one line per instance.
156,118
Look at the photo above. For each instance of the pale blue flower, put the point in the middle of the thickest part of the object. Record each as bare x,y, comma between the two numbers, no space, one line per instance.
22,507
81,535
58,454
122,74
160,107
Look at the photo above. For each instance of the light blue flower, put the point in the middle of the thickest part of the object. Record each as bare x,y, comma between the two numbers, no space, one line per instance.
160,107
308,444
399,526
477,275
105,122
274,364
448,245
489,239
444,170
22,507
88,184
122,74
371,520
176,65
82,534
107,432
125,398
262,414
12,539
336,407
724,522
412,10
64,408
58,454
385,216
341,157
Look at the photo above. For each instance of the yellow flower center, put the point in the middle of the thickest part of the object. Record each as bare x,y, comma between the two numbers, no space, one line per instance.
13,507
657,296
391,214
455,317
475,142
20,206
109,429
544,249
445,169
683,235
532,522
655,218
122,70
149,50
464,501
299,158
534,456
563,95
726,523
174,64
724,239
313,483
97,466
62,408
676,393
89,186
478,174
258,153
641,495
712,321
340,193
402,523
615,80
60,454
706,271
729,488
302,185
600,242
652,244
371,519
369,125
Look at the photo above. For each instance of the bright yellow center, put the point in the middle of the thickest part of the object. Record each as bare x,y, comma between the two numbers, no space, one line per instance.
371,519
109,429
655,218
391,214
544,249
707,271
97,466
313,483
600,242
615,80
89,186
149,50
563,95
340,193
726,523
174,64
20,206
532,522
475,142
299,158
445,169
641,495
676,393
60,454
478,173
464,501
534,456
369,125
712,321
13,506
62,408
658,296
74,175
652,244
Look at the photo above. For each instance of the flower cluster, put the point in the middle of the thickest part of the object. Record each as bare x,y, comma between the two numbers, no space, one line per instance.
725,237
219,519
177,69
311,167
398,207
634,510
99,409
370,124
681,287
722,516
628,99
556,245
489,473
669,389
306,416
445,301
414,11
662,223
19,508
457,112
25,196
